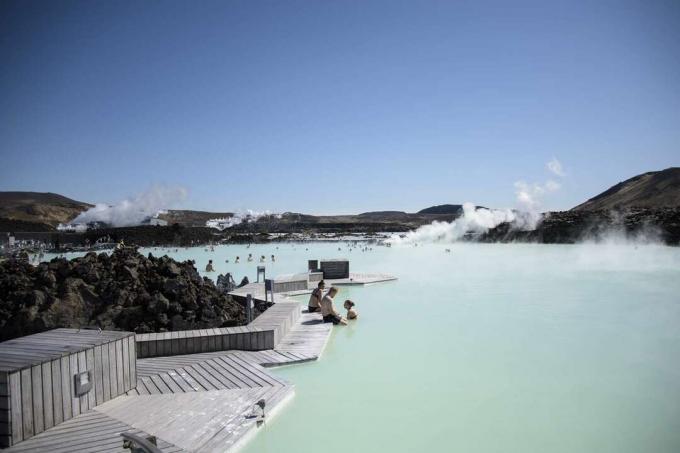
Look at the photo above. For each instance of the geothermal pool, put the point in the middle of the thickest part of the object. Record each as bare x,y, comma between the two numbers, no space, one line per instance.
489,348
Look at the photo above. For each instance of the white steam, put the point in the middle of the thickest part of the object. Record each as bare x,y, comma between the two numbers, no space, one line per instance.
133,211
239,218
555,167
473,220
479,220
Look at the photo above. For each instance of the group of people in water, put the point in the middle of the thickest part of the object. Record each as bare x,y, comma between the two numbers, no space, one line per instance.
210,268
263,259
323,304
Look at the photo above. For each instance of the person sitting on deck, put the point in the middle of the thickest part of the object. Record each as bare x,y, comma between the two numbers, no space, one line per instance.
351,312
315,299
209,267
328,310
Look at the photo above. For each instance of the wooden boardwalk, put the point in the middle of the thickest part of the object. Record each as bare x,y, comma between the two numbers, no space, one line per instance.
355,279
196,402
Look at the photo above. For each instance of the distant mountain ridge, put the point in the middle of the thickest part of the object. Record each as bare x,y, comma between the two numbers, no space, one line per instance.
654,189
40,207
455,209
36,211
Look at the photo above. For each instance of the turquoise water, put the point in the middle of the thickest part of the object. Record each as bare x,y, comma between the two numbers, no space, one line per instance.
489,348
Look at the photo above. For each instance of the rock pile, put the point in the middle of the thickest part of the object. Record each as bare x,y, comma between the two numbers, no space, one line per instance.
124,290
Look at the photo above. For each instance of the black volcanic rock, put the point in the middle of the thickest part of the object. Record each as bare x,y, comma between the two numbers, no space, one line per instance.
125,291
568,227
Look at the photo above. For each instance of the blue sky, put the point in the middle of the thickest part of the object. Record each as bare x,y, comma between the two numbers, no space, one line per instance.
336,107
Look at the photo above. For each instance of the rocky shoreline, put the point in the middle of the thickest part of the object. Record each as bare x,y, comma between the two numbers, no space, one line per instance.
121,291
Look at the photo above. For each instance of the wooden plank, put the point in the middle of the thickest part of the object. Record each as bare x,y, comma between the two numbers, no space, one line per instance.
205,341
183,341
200,379
180,379
16,404
231,373
119,368
27,403
66,386
106,374
48,402
142,349
90,366
98,376
214,376
174,343
113,373
151,387
57,401
170,382
162,386
37,387
132,357
81,363
126,365
75,401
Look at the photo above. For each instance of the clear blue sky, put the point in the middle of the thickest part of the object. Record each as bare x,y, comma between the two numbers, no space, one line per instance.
343,106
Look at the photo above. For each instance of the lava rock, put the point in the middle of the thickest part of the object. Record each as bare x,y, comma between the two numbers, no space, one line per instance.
124,290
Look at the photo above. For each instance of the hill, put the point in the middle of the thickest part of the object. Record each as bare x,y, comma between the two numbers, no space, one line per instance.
39,208
654,189
445,209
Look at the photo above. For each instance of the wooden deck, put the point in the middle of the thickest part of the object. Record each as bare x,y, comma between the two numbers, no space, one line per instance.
356,279
196,402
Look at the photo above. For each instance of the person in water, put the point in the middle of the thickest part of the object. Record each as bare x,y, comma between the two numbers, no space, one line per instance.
351,312
209,267
273,258
315,299
237,258
328,310
250,257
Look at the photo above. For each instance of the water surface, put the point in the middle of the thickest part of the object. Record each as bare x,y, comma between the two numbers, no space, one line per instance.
489,348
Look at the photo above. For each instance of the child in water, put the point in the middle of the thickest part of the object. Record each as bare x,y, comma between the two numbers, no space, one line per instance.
351,312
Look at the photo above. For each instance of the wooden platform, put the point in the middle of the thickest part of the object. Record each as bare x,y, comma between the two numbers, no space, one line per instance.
195,402
257,289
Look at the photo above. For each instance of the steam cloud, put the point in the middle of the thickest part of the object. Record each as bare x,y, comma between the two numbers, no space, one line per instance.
238,218
480,220
134,211
555,167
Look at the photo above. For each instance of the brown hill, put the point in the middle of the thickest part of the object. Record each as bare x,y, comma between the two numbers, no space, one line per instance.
654,189
46,208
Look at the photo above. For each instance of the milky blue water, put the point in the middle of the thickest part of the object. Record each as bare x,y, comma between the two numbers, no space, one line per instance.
489,348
